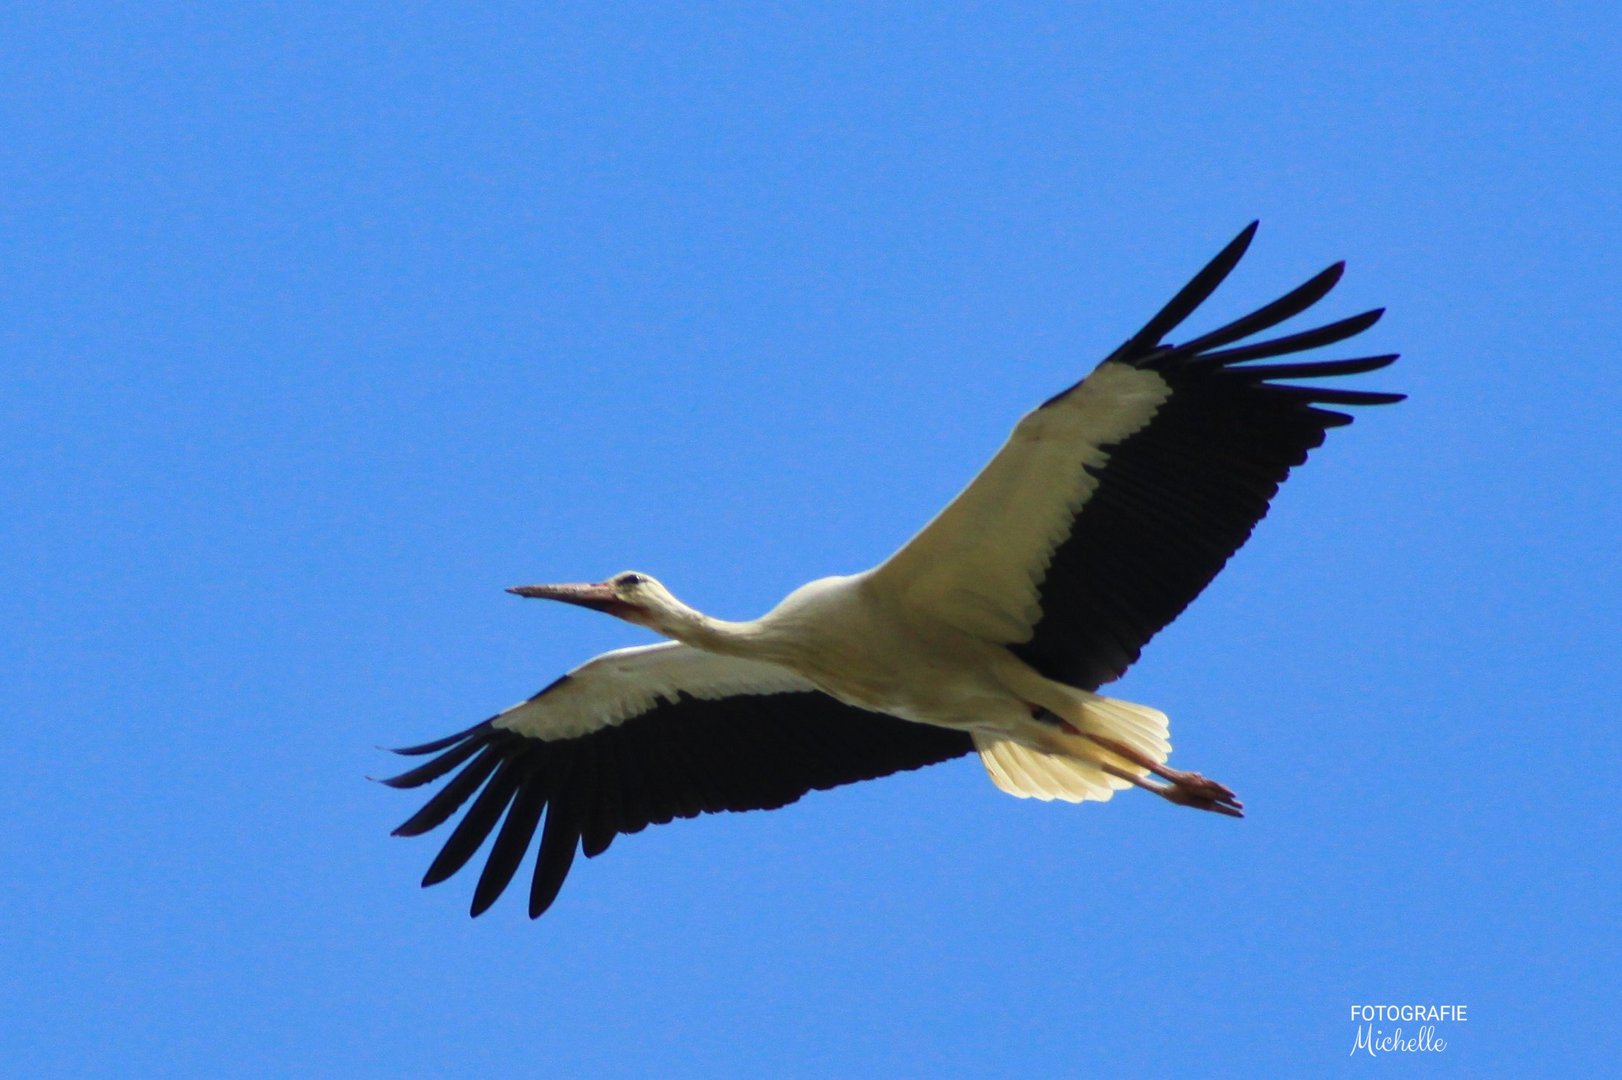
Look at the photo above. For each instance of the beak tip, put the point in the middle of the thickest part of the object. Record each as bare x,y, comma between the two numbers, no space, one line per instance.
595,597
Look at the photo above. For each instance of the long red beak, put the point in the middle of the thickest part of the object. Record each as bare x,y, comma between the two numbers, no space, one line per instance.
598,597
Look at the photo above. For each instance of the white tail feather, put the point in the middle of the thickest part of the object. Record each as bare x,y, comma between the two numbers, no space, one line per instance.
1077,774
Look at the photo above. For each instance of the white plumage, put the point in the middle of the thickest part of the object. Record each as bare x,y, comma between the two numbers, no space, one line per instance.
1110,507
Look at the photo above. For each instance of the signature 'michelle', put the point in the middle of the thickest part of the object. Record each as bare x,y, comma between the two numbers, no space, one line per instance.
1373,1038
1109,509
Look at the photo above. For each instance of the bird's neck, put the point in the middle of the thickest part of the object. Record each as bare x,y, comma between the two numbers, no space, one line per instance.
712,635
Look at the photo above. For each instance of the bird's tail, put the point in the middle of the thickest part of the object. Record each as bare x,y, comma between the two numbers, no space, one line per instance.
1073,770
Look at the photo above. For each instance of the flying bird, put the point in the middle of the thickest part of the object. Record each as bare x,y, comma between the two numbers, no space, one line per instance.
1108,510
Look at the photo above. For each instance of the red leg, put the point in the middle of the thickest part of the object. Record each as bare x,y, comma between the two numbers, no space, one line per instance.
1182,788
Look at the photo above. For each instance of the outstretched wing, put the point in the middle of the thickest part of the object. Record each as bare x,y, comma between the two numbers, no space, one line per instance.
1116,502
637,737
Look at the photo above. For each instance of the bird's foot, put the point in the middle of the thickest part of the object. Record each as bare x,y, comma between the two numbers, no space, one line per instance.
1202,793
1182,788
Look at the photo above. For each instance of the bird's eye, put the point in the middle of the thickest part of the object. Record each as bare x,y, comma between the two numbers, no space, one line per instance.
630,579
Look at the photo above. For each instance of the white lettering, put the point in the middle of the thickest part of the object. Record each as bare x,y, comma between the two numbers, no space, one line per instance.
1374,1041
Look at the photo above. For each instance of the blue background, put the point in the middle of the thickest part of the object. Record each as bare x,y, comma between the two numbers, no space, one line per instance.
324,323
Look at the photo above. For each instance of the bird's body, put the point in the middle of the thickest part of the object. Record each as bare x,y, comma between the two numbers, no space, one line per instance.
850,638
846,637
1111,506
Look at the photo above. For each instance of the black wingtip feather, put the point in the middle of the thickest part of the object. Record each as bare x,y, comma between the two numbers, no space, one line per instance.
440,744
1267,316
1316,369
510,845
475,825
1328,334
436,768
1195,293
450,798
559,839
1323,395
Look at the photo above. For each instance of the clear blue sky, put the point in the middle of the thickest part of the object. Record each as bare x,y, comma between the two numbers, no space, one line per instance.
325,323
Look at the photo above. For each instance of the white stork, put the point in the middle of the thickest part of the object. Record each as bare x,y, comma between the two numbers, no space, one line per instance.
1108,510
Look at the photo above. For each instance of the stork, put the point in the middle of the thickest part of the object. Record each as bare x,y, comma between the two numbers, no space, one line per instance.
1111,506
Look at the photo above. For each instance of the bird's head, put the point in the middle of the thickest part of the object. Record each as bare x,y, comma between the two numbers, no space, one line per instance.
634,597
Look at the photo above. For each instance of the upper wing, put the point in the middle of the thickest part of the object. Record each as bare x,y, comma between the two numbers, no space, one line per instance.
1113,504
637,737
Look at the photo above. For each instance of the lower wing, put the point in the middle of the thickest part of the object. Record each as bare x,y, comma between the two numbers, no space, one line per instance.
637,737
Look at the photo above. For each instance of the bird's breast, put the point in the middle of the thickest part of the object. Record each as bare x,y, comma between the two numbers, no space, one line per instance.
858,649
